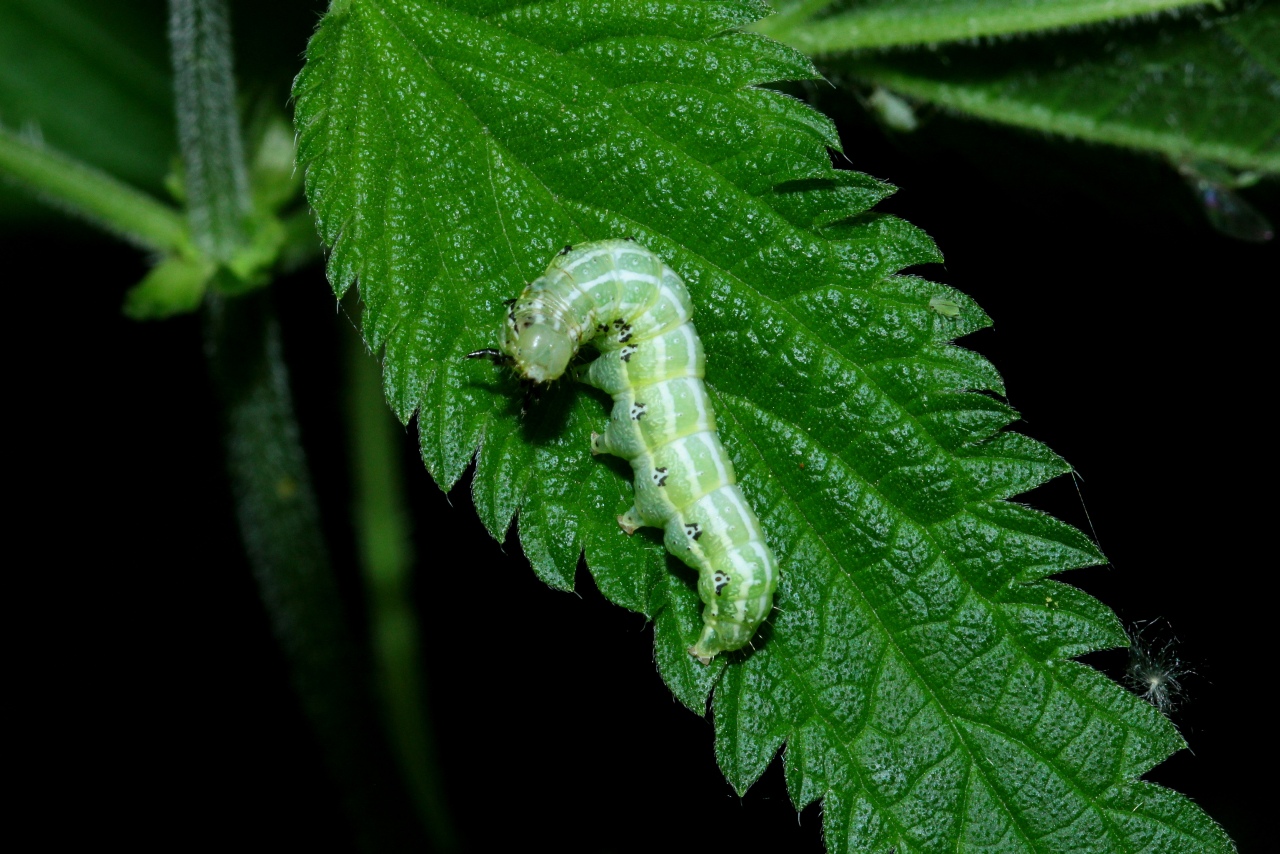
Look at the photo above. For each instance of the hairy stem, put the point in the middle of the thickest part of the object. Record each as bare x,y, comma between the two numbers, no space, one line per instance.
217,182
82,190
386,552
280,525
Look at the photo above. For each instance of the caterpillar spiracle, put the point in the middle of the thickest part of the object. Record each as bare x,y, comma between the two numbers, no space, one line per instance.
636,312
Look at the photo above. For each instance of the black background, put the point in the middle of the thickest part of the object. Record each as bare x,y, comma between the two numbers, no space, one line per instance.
1134,340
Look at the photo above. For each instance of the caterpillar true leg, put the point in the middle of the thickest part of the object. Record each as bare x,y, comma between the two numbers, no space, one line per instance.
630,521
636,311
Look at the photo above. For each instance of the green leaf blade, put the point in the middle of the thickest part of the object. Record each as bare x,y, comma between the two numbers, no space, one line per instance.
1163,822
567,24
907,675
1202,89
825,27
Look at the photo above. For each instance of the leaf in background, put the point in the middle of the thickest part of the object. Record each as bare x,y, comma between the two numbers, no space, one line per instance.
174,286
918,668
92,80
1196,89
824,26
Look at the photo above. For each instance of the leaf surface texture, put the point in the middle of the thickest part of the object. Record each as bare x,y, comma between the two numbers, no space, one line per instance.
831,26
918,670
1193,89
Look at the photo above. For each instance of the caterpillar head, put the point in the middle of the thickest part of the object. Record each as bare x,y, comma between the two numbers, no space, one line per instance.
538,346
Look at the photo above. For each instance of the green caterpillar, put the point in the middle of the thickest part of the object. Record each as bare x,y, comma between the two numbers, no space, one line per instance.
634,309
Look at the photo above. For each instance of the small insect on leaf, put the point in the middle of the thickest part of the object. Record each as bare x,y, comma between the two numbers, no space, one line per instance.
892,110
1228,213
947,308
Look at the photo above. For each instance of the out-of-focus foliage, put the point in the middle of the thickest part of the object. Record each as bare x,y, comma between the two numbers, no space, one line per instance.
832,26
89,79
1194,89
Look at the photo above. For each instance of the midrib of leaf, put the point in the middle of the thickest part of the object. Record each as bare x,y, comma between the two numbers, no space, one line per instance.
821,27
517,192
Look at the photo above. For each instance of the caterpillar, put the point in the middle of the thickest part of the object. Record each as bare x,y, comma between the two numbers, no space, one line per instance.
621,298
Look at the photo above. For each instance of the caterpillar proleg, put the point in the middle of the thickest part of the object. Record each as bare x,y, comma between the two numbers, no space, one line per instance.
636,311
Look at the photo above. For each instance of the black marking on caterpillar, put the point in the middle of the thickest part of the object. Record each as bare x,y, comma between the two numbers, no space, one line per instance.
721,580
620,285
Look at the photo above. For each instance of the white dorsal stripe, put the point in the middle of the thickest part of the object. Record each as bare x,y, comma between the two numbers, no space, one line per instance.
681,450
614,276
713,449
659,346
584,259
662,350
668,408
703,403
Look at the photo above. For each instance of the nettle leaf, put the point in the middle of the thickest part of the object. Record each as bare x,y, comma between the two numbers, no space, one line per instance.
830,26
917,671
1194,89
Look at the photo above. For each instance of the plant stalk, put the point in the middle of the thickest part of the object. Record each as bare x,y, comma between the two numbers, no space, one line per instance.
383,531
87,192
276,508
280,526
216,177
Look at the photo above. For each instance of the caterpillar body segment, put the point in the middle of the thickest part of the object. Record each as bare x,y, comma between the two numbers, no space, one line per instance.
636,311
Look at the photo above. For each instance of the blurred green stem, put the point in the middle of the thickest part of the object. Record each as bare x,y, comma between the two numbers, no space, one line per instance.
280,525
85,191
386,555
215,176
275,505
